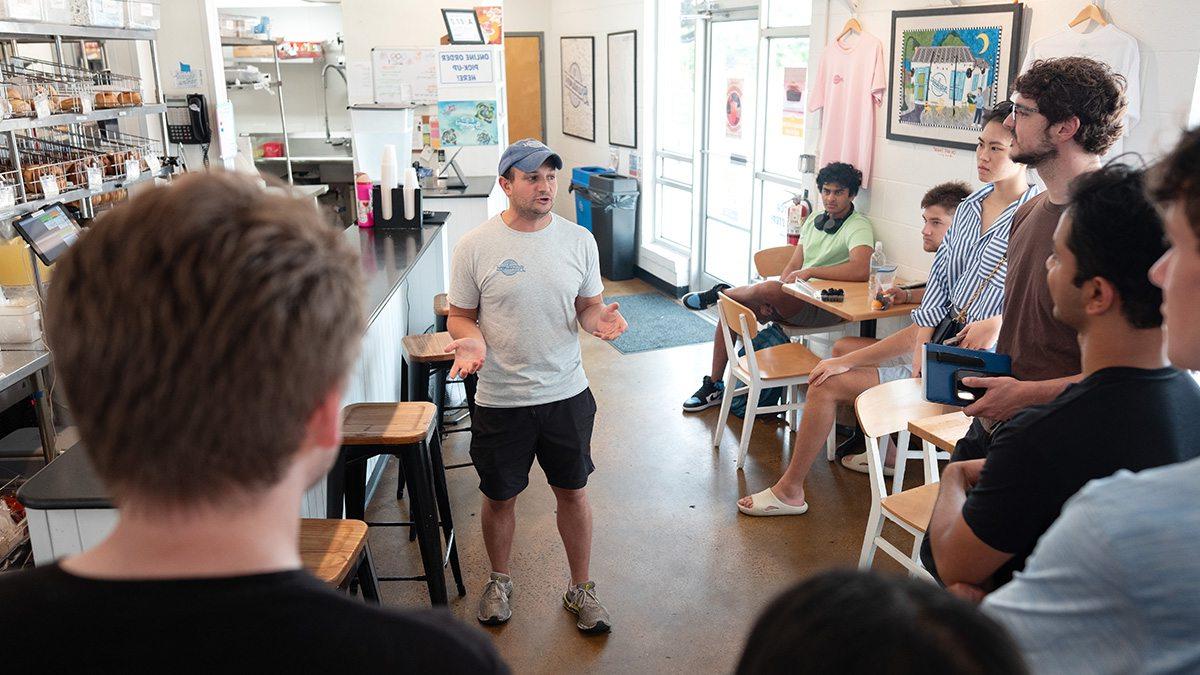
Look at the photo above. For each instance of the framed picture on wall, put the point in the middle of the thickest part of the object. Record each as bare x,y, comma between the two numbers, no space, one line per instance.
579,87
462,25
948,66
622,88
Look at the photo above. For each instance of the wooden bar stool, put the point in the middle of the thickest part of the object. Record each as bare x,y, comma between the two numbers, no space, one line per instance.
426,354
336,552
406,431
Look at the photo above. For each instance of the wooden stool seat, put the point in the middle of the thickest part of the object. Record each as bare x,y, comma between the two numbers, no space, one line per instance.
913,507
330,549
441,305
388,423
788,360
428,347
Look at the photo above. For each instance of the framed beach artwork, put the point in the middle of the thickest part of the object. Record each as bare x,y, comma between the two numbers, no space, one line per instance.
948,66
579,87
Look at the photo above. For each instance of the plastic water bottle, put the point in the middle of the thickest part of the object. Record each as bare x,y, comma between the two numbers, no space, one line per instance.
878,261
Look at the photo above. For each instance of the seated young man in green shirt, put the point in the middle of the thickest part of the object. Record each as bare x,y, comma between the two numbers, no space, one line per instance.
835,244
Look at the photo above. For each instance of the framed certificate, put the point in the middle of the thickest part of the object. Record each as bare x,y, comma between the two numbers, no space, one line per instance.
462,25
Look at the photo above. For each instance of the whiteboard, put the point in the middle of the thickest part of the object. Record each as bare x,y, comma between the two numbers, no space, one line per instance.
404,75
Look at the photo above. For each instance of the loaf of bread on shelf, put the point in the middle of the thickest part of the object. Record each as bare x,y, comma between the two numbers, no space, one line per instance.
20,106
129,98
32,176
13,92
107,99
67,103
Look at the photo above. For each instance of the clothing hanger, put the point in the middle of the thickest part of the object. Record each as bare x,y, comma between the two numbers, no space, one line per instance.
1089,13
851,25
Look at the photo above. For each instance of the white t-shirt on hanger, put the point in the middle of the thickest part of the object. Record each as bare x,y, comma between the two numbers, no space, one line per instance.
1107,44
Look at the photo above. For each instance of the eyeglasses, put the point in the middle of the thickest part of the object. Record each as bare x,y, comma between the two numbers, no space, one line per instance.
1022,110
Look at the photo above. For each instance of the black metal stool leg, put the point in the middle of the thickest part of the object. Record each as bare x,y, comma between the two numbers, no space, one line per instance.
356,489
470,383
335,486
424,505
439,393
443,503
399,481
419,391
418,382
366,576
412,531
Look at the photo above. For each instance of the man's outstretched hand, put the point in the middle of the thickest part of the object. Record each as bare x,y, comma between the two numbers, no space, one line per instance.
610,324
469,354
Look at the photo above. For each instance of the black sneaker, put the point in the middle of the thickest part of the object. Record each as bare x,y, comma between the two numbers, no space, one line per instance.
704,299
708,395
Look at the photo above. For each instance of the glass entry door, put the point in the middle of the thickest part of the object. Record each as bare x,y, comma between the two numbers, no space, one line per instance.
728,151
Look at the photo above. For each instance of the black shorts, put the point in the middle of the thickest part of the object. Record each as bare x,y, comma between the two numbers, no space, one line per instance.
504,442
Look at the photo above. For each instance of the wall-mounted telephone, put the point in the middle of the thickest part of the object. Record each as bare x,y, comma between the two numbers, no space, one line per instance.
187,120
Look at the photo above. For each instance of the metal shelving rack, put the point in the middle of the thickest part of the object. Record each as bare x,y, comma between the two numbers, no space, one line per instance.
16,32
276,85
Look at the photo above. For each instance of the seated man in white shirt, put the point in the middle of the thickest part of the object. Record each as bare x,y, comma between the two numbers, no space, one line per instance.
1114,586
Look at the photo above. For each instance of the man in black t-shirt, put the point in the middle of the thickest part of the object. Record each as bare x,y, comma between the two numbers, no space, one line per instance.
203,334
1131,411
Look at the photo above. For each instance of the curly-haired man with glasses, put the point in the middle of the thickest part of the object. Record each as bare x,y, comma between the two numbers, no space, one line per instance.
1066,113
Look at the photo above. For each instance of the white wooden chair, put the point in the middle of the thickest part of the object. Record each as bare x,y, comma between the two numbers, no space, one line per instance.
882,410
770,262
786,365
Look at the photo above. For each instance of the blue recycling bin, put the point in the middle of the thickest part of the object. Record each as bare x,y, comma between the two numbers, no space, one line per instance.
580,180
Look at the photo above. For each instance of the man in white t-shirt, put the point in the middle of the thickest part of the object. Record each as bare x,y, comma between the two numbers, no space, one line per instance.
521,285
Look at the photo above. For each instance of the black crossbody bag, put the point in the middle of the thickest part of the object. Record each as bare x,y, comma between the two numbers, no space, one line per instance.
954,321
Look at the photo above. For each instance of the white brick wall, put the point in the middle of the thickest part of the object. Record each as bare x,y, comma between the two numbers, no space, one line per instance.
1170,51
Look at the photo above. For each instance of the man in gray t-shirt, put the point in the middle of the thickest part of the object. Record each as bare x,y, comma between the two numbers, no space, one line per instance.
521,284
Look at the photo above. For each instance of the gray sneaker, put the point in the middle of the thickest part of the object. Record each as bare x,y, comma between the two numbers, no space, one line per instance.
494,607
581,601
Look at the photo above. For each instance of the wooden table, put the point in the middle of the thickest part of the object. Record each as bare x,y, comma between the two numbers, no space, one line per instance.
856,307
944,431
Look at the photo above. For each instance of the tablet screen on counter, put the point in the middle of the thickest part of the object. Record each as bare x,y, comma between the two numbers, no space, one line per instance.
49,232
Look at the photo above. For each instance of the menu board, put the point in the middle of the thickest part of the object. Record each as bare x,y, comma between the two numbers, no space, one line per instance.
405,74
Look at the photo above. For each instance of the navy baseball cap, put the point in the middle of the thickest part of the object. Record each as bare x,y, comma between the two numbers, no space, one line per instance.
527,155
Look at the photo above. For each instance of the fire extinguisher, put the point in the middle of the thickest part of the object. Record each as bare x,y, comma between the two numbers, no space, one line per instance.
797,213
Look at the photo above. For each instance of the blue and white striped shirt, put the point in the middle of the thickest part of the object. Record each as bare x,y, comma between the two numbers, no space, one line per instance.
964,261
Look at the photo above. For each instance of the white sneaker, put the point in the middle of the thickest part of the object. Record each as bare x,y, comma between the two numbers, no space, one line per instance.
494,605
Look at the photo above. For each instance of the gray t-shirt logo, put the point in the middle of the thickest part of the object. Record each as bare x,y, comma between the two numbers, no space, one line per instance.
510,267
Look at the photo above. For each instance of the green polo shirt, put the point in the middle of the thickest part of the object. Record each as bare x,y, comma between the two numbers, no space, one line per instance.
822,249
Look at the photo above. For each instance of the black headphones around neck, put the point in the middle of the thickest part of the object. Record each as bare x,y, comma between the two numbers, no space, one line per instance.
828,224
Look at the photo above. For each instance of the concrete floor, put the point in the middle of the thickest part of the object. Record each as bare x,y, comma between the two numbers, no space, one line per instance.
683,574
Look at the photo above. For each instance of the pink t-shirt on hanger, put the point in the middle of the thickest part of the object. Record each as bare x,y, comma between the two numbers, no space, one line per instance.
849,87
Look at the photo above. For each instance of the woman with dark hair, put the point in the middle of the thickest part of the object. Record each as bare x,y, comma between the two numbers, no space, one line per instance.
906,626
966,282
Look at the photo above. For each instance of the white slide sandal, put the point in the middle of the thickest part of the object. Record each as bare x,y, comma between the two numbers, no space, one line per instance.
859,463
765,503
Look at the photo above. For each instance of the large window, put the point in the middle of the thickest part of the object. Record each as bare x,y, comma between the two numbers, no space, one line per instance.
676,76
785,76
787,98
746,72
675,122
